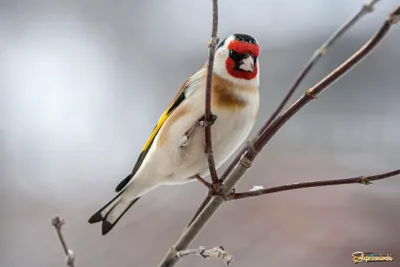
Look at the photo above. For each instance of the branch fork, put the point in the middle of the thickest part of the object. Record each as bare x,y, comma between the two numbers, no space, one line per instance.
213,189
244,159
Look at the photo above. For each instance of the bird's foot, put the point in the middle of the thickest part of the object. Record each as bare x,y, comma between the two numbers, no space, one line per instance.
201,122
204,123
184,140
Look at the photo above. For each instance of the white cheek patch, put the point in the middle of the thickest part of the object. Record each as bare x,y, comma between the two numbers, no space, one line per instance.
221,56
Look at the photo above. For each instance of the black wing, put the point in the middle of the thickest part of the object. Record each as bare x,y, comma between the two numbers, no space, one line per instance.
177,101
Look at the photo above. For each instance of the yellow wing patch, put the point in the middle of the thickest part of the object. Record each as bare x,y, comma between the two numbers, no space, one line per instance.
160,122
179,97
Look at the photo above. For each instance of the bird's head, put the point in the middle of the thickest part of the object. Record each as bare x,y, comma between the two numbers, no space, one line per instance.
236,59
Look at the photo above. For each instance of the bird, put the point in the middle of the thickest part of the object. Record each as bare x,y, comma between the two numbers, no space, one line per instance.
170,156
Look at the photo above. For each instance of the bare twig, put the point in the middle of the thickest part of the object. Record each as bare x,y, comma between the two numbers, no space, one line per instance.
203,204
58,222
326,82
249,156
318,54
208,115
321,51
366,180
216,253
235,161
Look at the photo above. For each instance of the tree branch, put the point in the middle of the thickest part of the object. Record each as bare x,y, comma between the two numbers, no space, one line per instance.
216,253
318,54
249,156
58,222
326,82
208,115
366,180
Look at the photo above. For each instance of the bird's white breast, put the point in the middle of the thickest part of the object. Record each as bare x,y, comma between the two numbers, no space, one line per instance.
228,132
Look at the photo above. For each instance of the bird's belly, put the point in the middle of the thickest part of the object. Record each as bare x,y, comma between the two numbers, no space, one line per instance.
228,133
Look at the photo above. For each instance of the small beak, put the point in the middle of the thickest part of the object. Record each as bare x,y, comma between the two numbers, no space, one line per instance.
247,64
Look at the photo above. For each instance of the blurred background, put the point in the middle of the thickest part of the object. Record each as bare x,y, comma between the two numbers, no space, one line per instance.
82,83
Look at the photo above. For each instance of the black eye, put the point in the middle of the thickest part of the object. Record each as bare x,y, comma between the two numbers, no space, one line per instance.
233,54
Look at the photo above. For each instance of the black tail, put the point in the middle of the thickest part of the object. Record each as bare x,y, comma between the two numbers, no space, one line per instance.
111,213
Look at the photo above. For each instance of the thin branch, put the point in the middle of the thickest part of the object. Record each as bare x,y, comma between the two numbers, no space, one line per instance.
249,156
318,54
208,115
216,253
203,204
366,9
58,222
366,180
235,161
325,83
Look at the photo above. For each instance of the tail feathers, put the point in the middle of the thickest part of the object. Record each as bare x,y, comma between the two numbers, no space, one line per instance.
123,183
112,212
98,216
115,214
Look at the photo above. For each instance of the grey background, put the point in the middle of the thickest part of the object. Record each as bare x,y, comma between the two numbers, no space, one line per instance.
83,83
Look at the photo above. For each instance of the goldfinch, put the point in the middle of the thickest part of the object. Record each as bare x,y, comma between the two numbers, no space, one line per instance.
171,157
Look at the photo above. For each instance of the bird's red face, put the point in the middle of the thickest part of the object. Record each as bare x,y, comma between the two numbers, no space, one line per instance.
242,60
